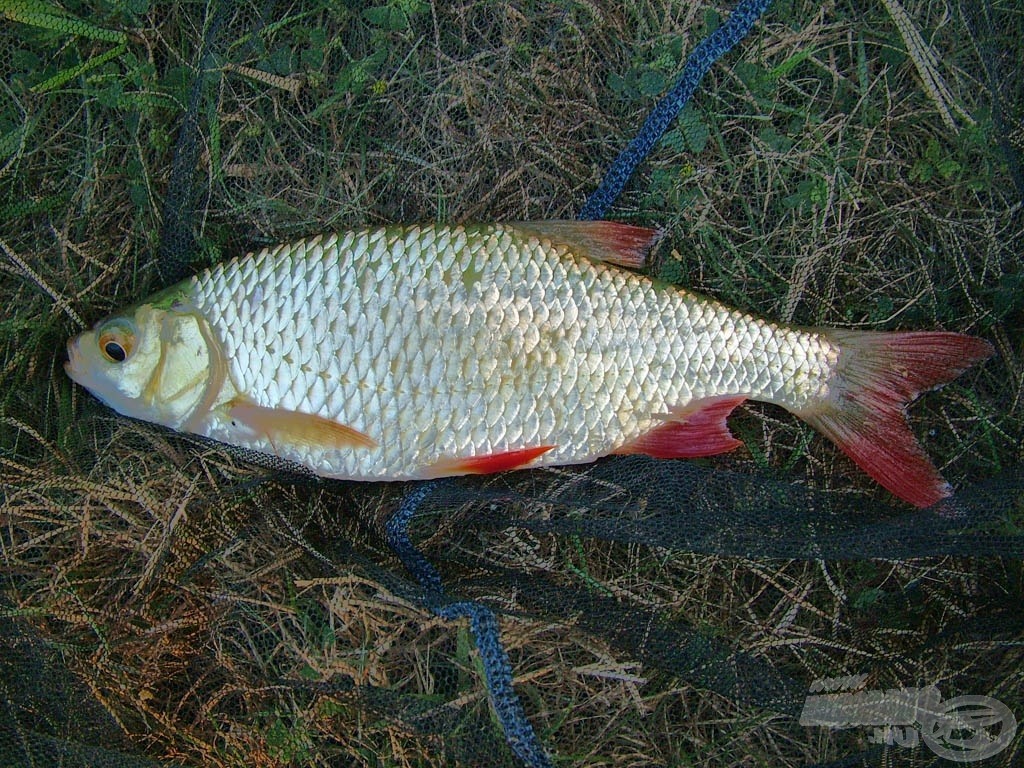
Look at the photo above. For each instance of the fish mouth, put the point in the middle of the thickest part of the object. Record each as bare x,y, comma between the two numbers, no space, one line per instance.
73,365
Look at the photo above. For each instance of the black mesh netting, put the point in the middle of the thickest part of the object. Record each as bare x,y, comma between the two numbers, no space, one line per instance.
166,602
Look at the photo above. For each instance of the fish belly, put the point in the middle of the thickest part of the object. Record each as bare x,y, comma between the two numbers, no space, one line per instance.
449,342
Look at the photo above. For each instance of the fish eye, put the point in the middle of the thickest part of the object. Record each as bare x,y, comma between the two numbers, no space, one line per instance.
114,352
116,343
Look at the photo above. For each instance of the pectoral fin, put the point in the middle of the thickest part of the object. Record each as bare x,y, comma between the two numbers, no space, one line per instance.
284,427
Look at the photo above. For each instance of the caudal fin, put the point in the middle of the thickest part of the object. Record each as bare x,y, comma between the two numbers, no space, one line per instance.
877,376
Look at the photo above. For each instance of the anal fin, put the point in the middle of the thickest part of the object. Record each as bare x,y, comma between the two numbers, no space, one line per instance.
484,465
695,429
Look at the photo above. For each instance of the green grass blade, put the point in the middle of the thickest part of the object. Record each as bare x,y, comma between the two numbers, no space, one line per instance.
67,75
45,16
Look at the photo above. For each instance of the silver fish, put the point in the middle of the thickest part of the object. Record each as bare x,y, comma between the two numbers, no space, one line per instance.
423,351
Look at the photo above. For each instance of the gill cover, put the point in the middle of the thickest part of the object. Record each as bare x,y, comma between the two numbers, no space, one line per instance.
158,363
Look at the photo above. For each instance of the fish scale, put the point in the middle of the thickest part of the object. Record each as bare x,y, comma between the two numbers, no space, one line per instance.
417,351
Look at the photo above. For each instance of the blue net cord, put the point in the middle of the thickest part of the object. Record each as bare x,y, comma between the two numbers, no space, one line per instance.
397,532
710,49
483,623
498,678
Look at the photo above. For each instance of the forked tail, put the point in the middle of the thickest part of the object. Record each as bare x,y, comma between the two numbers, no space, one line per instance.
877,376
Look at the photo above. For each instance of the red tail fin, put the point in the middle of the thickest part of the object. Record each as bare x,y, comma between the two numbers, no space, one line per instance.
878,375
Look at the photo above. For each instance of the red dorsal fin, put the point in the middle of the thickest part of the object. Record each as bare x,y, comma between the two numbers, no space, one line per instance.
610,241
484,465
877,376
696,429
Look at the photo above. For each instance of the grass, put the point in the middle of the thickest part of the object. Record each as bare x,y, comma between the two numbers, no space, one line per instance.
814,179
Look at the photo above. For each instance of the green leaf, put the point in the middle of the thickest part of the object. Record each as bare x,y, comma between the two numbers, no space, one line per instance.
755,77
948,168
868,597
32,206
883,309
355,75
693,129
774,140
139,196
895,55
652,83
617,84
312,57
389,17
110,95
712,21
809,192
674,140
672,271
922,171
279,61
24,61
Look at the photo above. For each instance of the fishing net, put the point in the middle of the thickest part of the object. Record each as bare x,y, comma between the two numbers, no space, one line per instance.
166,601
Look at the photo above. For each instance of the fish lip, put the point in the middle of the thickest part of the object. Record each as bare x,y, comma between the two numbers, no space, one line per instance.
73,365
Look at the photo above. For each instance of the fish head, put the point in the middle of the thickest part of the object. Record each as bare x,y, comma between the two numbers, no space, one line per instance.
149,362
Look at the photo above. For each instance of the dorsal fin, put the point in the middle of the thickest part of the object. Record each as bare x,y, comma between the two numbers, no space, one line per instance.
610,241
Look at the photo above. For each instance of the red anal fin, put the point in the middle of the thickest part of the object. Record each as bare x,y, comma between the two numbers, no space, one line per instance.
610,241
877,376
484,465
696,429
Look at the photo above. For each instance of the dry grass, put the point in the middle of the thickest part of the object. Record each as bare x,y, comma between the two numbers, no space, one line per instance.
199,600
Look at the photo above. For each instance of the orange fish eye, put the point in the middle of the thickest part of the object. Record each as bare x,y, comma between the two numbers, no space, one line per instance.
116,342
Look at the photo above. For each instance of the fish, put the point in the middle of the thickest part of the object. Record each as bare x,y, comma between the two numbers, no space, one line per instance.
419,351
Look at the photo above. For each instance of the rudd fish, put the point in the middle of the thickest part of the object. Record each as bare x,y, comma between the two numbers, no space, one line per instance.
424,351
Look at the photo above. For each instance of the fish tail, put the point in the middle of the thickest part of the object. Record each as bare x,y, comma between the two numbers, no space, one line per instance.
876,377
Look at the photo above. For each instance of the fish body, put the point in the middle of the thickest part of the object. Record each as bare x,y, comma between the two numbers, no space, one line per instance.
421,351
